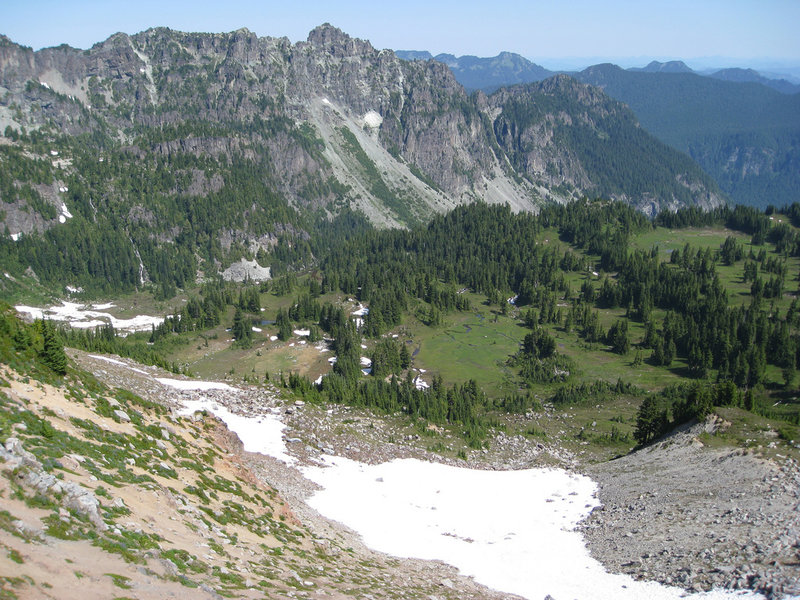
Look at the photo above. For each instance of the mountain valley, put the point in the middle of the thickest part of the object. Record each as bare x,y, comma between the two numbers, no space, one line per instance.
312,319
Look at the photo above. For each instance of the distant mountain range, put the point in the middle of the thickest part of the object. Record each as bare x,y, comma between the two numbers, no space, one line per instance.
487,74
508,68
743,128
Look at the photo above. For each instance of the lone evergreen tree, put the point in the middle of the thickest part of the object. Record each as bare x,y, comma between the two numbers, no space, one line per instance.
53,352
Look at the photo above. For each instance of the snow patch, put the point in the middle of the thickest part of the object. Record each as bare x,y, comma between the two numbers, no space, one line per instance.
373,119
257,329
118,362
302,332
15,236
65,214
262,434
273,338
513,531
186,384
84,317
361,311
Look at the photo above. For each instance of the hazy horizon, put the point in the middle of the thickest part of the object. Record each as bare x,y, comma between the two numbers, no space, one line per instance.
569,36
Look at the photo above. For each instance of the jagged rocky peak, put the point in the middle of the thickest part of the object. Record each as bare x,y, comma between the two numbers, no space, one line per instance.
337,42
287,104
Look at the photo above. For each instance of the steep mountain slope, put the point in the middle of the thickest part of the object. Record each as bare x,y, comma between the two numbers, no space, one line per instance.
583,141
745,135
166,155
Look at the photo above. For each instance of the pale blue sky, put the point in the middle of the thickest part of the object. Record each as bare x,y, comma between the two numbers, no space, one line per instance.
565,33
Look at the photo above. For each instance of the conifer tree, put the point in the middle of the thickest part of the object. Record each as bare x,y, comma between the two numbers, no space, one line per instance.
53,352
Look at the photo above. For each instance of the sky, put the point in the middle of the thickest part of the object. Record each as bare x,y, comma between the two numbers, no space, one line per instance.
555,34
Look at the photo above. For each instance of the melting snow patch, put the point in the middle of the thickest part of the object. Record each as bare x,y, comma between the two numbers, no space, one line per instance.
511,530
257,329
302,332
360,311
318,380
420,384
263,433
373,119
83,317
273,338
15,236
185,384
118,362
65,214
365,362
326,101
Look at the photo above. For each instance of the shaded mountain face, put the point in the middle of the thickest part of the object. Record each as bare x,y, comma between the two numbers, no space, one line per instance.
752,76
489,74
185,151
672,66
745,135
574,138
742,134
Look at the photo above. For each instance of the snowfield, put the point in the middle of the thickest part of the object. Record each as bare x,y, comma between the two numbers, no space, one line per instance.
87,316
513,531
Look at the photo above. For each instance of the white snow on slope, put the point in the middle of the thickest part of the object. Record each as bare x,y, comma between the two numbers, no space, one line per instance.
118,362
373,119
186,384
512,530
262,434
84,317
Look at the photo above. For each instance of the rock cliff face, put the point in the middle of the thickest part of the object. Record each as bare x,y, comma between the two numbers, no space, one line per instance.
571,138
422,144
